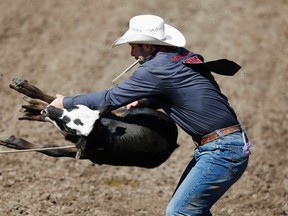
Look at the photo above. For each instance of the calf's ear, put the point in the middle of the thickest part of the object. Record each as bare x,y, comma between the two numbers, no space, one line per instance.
54,113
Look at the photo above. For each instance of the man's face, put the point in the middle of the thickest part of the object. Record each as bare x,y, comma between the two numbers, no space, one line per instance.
141,51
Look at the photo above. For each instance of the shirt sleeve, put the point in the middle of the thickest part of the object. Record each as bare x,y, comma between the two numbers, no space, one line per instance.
142,84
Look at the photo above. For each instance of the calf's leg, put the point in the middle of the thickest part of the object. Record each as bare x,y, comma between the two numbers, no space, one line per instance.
37,100
32,110
19,143
23,87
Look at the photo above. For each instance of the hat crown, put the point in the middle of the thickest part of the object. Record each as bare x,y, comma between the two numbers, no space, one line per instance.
148,25
151,29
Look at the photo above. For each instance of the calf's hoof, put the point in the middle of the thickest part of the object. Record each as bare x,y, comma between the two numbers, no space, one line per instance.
7,141
19,83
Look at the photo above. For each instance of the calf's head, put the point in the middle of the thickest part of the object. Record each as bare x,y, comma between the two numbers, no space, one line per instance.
78,120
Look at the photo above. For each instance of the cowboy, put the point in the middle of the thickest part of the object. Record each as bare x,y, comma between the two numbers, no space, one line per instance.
192,98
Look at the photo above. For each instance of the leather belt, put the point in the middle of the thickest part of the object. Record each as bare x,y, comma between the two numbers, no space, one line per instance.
218,134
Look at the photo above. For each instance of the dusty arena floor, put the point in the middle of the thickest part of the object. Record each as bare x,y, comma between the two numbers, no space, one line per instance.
64,47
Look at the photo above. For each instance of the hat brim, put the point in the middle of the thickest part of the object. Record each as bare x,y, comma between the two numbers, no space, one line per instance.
173,37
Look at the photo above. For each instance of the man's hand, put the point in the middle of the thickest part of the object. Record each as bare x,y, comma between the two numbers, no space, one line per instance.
133,105
139,104
58,102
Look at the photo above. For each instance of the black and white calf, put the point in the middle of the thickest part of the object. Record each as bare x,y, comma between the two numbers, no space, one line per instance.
134,137
78,121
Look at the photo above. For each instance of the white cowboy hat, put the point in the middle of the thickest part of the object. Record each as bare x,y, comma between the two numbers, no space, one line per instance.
150,29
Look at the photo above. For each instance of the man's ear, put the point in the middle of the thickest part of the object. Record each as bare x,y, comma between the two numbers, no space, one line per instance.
148,47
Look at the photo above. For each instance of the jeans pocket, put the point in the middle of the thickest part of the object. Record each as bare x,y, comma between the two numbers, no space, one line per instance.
237,153
239,160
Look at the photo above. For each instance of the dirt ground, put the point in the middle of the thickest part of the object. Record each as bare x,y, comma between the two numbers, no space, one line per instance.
64,47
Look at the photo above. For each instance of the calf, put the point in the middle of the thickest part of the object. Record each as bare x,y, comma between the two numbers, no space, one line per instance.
135,137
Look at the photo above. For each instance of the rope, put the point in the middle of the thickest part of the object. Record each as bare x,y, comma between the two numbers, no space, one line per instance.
37,149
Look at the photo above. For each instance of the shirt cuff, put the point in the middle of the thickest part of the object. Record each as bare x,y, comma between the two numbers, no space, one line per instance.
68,102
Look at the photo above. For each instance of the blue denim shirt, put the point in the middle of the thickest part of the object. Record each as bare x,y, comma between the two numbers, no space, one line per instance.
191,98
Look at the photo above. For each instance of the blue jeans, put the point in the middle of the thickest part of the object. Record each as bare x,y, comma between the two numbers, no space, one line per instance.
216,166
